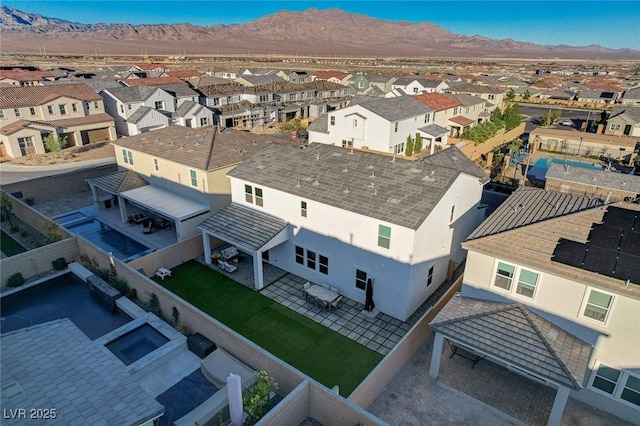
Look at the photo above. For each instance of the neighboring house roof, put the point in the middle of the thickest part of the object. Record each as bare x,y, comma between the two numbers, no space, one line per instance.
222,89
473,88
632,93
434,130
544,84
392,109
512,333
597,178
597,94
25,75
463,121
437,101
139,114
179,90
326,75
185,73
603,86
609,140
155,81
243,226
402,192
455,159
320,124
559,94
207,80
378,78
150,67
26,96
132,94
14,127
102,83
631,113
118,182
187,107
202,148
59,124
257,80
468,100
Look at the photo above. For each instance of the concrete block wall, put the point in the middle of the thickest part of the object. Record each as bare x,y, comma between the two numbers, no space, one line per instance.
292,410
329,409
37,261
371,386
170,257
33,217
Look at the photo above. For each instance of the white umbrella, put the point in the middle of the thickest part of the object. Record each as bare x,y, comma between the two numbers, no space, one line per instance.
234,393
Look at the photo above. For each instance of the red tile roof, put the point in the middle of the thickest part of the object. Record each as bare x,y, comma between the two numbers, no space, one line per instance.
437,101
185,73
25,75
152,81
14,127
463,121
326,75
603,85
26,96
150,67
64,123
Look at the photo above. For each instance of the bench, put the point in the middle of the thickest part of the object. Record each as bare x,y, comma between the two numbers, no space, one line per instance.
229,253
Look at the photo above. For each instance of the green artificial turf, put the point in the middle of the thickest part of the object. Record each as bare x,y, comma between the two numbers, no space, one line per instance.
9,246
327,356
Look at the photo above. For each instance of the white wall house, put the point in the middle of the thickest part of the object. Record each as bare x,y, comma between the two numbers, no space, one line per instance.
378,124
192,114
130,108
348,216
414,86
533,250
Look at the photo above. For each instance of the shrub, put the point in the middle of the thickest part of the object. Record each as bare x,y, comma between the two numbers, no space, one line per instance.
14,229
15,280
175,314
256,398
121,285
133,294
154,304
59,264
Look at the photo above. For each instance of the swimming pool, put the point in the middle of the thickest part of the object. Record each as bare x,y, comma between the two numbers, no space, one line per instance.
69,218
538,171
136,344
108,239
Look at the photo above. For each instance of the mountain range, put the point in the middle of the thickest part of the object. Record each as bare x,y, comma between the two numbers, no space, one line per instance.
330,32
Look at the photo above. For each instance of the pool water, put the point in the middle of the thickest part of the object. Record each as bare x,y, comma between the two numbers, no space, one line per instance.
69,218
539,169
108,239
136,344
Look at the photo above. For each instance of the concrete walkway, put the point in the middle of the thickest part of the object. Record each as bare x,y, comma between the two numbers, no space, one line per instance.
11,173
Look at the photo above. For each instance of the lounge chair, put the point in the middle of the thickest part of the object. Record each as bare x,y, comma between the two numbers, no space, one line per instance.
148,227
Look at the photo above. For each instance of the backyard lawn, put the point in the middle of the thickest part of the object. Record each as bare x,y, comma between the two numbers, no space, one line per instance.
327,356
9,246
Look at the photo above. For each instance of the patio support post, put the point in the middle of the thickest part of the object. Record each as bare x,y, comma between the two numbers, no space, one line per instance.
207,247
432,145
258,278
123,209
562,394
436,355
94,193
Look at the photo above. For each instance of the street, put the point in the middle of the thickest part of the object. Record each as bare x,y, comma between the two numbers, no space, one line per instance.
11,174
577,116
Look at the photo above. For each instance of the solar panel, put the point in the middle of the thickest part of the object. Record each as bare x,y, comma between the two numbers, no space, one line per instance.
605,236
628,268
630,243
570,253
620,218
601,261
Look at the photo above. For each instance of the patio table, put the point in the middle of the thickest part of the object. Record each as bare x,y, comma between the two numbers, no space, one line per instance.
322,293
163,272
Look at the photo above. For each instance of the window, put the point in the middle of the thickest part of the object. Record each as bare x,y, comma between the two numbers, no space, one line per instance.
228,100
158,105
74,107
16,111
194,178
504,276
395,127
204,121
299,255
216,101
121,108
347,144
631,391
527,282
248,194
292,96
615,127
492,97
303,208
1,113
87,105
617,383
259,197
455,111
63,109
598,305
264,98
427,118
361,84
323,267
127,156
26,145
361,279
415,90
32,111
384,236
155,164
95,105
430,276
466,110
606,379
453,212
355,123
129,106
399,149
333,120
311,259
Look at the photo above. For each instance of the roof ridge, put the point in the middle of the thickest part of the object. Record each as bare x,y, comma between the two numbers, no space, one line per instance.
213,143
550,348
508,306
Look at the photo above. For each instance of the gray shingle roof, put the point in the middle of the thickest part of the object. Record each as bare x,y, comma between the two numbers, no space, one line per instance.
118,182
257,80
512,333
434,130
138,114
531,205
320,124
132,94
392,109
632,93
467,100
178,90
185,107
397,191
630,112
592,177
243,226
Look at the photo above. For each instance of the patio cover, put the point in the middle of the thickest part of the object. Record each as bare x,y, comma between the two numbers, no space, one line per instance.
118,182
461,120
511,333
165,202
243,227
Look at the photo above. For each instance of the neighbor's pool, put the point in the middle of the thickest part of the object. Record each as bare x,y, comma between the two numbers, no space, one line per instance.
108,239
69,218
539,169
136,344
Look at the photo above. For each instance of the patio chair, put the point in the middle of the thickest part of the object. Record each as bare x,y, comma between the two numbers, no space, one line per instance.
229,267
229,252
305,289
336,303
148,227
325,286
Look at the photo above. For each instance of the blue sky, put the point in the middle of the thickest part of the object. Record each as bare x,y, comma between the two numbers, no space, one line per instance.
613,24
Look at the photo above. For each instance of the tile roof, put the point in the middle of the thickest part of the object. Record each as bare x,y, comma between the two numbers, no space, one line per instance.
461,120
155,81
18,96
320,124
434,130
25,75
202,148
150,67
139,114
512,333
118,182
63,123
609,140
132,94
243,226
397,191
438,101
597,178
604,86
326,75
392,109
14,127
632,113
185,107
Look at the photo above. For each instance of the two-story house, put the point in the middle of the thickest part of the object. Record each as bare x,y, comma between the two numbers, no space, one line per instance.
24,77
299,77
414,86
379,124
624,120
374,85
175,173
339,77
493,95
552,289
28,114
139,109
471,112
343,217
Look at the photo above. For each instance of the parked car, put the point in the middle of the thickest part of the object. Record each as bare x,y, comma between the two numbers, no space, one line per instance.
566,122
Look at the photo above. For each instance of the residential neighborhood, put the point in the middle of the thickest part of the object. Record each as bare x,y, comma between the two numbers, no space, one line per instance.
294,240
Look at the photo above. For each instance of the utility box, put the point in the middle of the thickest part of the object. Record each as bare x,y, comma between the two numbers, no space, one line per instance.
200,345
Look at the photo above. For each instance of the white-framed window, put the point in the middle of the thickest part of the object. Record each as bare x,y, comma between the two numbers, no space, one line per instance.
1,113
204,121
323,264
619,384
355,122
455,111
259,200
427,118
430,276
122,108
95,105
299,255
32,111
492,97
384,236
216,101
264,98
332,120
395,127
347,144
16,111
158,105
597,305
127,156
303,208
63,109
504,276
466,110
311,259
155,164
399,149
361,85
248,194
129,106
415,90
194,177
453,213
614,126
74,107
292,96
26,145
527,283
361,279
527,280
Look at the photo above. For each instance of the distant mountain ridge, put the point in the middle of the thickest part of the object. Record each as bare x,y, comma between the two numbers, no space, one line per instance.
312,32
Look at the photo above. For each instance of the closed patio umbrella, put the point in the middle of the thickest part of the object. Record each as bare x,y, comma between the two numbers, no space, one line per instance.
368,303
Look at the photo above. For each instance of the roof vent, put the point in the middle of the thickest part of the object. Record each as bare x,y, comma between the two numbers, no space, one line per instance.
394,200
336,154
346,190
307,178
414,170
243,150
261,166
372,185
299,184
552,334
477,306
431,177
372,175
255,142
393,160
345,169
375,191
370,166
317,154
316,183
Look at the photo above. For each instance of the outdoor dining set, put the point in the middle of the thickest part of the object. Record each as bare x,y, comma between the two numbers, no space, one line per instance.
148,223
322,295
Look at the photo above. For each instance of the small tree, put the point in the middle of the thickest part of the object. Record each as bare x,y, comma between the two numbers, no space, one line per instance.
511,95
408,150
52,232
7,206
417,148
496,116
256,398
527,95
53,143
512,117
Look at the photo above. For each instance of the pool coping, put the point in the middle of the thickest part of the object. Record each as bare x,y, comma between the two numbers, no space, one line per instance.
37,282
